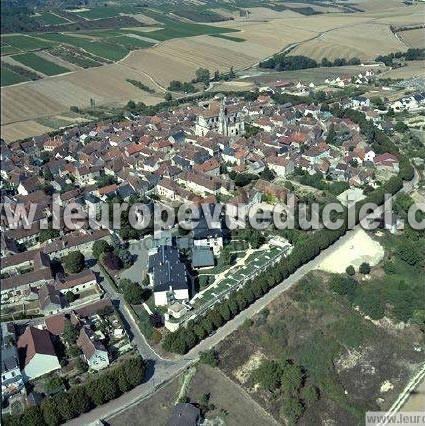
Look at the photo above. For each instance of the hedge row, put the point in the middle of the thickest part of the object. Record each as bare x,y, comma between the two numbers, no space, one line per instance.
82,398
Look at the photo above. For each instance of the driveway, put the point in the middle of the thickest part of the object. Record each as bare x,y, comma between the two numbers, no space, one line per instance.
138,270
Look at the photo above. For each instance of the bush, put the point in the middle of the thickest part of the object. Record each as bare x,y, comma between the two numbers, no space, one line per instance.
209,357
100,247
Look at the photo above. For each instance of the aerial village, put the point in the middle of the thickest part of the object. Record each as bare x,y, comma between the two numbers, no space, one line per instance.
59,286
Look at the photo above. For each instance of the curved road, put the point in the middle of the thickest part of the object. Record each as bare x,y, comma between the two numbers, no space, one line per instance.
161,371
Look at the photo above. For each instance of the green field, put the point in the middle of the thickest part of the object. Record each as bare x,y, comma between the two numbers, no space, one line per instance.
105,12
130,42
23,42
98,48
40,64
177,29
8,77
8,50
230,38
51,19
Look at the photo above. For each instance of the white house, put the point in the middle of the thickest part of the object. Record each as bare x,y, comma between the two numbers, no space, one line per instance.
369,156
37,349
281,166
94,352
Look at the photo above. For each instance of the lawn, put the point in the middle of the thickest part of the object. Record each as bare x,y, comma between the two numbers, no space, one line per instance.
23,42
52,19
8,77
38,63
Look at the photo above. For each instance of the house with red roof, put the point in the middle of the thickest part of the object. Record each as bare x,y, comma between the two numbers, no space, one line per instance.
37,353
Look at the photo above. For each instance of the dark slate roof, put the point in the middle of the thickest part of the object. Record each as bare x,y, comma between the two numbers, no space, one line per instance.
168,269
202,257
9,358
184,415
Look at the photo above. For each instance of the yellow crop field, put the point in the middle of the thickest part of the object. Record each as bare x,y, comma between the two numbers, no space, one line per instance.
366,41
50,96
414,38
265,33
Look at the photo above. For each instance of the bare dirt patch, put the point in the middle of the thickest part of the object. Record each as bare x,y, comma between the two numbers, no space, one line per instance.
358,249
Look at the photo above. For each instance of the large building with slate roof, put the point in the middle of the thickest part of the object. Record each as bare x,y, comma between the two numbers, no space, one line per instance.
169,276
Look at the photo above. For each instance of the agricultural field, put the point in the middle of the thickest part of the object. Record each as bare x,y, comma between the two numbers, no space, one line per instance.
24,42
175,48
369,40
52,19
8,77
40,64
413,38
413,69
103,50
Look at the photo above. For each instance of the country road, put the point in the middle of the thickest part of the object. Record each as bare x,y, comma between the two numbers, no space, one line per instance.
161,371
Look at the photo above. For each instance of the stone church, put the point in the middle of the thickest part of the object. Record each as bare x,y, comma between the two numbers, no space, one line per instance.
218,117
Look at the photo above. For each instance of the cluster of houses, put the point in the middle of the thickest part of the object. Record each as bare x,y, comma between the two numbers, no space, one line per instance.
190,154
29,352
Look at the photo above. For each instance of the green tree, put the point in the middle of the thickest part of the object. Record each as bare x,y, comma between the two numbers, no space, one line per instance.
69,333
209,357
364,268
50,412
350,270
99,247
291,378
48,234
70,296
168,97
268,375
32,416
74,262
203,75
134,294
291,409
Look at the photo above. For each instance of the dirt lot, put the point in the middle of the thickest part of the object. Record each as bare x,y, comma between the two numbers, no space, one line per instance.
224,394
360,248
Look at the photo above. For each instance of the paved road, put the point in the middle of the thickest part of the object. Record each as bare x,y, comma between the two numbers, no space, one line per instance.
160,371
137,338
138,270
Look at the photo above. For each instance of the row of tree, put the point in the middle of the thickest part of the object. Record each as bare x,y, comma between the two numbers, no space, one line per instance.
82,398
281,62
196,330
410,55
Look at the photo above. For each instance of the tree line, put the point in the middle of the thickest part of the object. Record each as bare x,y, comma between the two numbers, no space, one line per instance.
281,62
80,399
410,55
